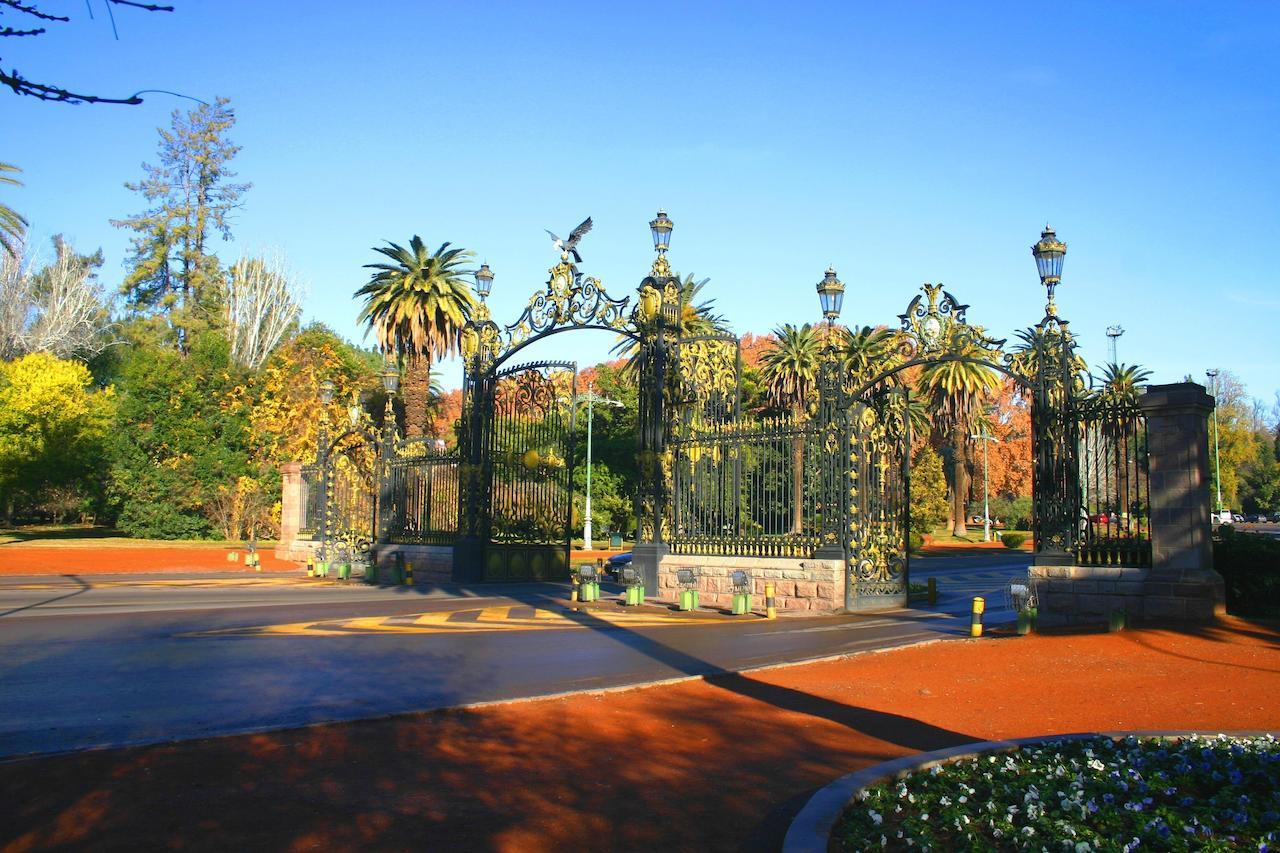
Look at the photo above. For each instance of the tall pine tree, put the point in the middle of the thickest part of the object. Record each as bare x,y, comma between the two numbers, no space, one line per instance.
173,288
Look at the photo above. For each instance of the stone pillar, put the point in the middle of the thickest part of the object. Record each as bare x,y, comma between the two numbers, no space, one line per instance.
1182,584
290,506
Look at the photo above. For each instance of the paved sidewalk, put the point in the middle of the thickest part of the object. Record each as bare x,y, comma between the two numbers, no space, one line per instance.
720,764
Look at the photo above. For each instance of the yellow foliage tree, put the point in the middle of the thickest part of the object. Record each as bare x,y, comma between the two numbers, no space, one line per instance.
53,426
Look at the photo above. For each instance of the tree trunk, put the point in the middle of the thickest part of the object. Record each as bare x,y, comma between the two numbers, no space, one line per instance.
417,391
959,483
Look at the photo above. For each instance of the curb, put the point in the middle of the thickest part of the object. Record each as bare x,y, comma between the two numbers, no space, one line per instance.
810,830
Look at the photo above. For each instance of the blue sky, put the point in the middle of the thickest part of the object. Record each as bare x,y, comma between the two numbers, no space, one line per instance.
901,142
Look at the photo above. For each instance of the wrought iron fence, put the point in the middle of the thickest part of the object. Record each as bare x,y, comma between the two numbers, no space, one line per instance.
1115,492
747,489
423,494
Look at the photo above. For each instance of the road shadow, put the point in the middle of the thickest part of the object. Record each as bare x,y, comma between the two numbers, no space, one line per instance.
84,587
56,533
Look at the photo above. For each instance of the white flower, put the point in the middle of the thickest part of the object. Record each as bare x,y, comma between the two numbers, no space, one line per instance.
876,817
1083,847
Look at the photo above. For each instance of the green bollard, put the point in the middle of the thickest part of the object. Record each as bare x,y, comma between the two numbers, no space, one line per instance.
686,600
741,603
371,572
344,572
1024,622
1116,621
322,569
595,590
635,596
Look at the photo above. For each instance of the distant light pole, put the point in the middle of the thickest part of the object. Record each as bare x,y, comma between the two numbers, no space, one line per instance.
986,507
592,397
1114,332
1217,471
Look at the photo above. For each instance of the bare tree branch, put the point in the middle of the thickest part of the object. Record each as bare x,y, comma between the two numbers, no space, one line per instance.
148,6
33,11
58,309
48,92
261,299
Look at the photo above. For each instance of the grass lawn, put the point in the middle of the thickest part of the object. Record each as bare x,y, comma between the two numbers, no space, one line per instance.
91,536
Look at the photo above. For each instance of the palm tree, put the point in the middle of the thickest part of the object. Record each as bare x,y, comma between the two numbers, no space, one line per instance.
1024,359
790,371
955,389
868,352
1117,400
417,305
12,225
1120,383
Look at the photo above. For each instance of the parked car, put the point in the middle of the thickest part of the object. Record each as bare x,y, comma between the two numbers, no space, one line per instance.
617,563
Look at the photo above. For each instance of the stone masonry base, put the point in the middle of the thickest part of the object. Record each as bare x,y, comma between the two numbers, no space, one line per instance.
431,563
808,585
1090,595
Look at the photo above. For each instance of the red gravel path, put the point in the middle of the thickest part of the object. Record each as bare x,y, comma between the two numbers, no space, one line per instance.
113,559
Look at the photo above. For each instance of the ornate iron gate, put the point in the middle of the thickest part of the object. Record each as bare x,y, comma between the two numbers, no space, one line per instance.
530,472
879,498
516,458
342,508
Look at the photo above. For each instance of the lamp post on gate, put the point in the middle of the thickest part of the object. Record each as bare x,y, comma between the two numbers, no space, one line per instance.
322,459
986,505
391,384
659,313
831,297
1217,470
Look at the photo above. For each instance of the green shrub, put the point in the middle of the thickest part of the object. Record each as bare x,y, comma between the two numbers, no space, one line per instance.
1014,512
915,542
1013,541
1250,566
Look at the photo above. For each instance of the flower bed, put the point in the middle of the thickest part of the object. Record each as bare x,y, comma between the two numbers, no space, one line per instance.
1192,793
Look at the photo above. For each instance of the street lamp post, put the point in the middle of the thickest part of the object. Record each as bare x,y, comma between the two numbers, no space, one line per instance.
986,505
1217,471
592,397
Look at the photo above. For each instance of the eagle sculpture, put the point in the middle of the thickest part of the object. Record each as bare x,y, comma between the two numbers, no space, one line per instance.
570,246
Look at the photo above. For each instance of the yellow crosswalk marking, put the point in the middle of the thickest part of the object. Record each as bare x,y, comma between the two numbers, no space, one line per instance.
473,621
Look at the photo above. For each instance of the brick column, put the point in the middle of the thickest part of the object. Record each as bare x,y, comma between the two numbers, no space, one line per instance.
290,505
1182,583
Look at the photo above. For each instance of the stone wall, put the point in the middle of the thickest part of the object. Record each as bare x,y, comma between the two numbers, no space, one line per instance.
431,563
802,585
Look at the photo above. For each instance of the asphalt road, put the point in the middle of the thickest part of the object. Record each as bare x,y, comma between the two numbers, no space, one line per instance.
90,662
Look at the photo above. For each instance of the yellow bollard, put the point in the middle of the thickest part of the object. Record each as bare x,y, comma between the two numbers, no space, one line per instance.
408,574
573,593
975,626
770,605
311,566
